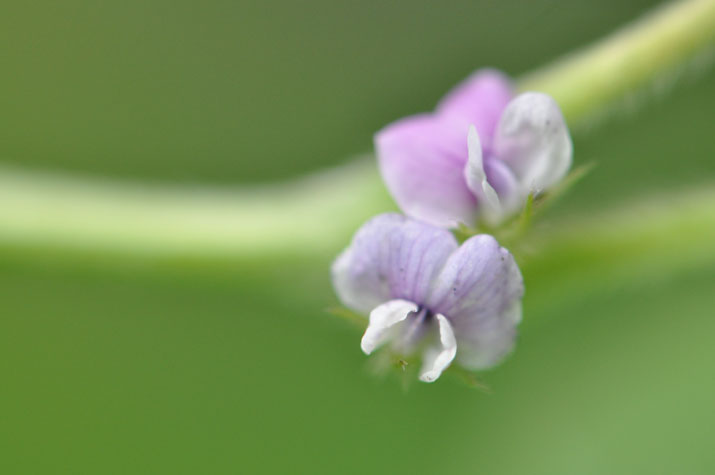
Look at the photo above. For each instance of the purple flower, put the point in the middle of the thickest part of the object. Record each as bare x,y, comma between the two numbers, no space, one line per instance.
478,156
425,292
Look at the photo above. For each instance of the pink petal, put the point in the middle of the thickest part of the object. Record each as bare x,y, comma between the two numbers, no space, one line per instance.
422,161
478,100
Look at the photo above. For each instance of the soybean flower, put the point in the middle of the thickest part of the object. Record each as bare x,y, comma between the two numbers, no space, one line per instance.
426,294
478,156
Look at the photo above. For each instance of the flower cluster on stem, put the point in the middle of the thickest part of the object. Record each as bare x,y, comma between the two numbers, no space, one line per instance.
478,160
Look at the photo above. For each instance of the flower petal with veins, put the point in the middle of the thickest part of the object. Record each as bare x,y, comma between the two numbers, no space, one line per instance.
390,257
480,289
410,271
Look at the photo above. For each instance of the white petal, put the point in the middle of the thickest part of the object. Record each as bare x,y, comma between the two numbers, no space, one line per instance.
382,318
437,358
533,139
489,205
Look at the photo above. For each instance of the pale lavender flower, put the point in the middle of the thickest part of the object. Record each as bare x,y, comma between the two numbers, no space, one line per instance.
478,156
426,293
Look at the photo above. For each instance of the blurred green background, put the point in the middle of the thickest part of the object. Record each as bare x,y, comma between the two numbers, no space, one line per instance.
157,369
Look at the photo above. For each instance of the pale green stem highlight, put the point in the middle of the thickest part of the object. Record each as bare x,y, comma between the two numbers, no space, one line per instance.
317,214
588,81
305,217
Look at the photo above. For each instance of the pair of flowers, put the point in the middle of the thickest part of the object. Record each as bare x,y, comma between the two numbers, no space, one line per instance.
476,159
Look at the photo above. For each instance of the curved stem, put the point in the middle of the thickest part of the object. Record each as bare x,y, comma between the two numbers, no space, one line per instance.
649,51
304,217
312,215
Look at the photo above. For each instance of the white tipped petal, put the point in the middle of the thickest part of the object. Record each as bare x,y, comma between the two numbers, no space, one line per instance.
382,318
533,139
476,178
480,288
437,358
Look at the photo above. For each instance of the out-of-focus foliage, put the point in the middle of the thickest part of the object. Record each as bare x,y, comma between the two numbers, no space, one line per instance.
245,91
156,369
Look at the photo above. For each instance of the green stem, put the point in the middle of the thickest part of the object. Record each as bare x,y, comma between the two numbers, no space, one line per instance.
317,214
651,49
641,242
303,217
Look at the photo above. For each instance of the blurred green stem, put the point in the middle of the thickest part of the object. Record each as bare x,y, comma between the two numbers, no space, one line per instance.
648,52
639,243
317,214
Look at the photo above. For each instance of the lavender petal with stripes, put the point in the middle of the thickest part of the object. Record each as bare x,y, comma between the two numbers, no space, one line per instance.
426,293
